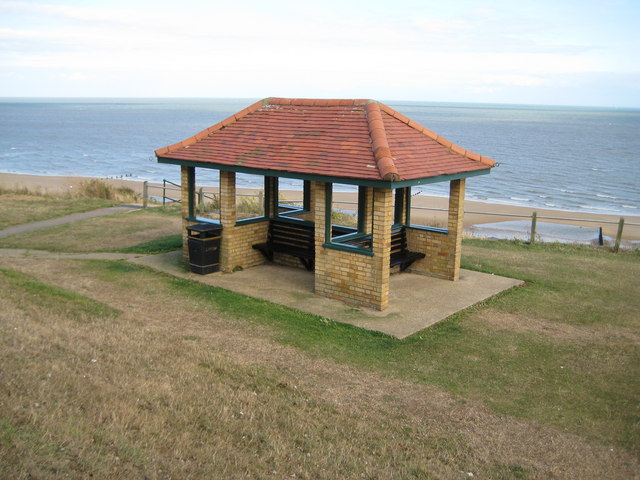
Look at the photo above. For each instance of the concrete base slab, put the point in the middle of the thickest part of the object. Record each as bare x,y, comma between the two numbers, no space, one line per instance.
416,301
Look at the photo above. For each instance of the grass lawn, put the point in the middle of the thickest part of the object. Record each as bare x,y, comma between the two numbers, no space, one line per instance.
563,350
118,371
18,208
152,230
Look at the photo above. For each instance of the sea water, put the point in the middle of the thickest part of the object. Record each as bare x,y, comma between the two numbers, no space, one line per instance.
569,158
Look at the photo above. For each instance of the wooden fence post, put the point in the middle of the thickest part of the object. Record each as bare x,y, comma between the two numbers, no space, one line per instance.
145,194
616,247
200,200
534,223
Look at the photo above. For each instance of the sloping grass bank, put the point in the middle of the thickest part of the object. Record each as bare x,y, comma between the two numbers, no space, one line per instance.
152,230
24,206
118,371
143,374
579,370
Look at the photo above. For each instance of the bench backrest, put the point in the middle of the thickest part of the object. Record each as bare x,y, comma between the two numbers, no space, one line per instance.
398,241
298,238
292,237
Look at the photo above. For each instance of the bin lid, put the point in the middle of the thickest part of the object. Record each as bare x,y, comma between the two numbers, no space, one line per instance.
204,227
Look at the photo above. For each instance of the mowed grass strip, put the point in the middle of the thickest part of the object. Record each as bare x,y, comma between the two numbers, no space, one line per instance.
164,244
152,230
29,292
19,208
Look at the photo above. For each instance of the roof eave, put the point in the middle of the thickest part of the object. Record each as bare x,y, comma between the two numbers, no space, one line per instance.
326,178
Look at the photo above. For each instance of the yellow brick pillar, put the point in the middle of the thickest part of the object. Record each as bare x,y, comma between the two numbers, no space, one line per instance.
354,277
382,221
318,207
187,186
228,218
454,226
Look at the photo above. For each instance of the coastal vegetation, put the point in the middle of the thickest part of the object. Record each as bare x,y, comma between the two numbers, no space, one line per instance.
116,370
96,188
20,205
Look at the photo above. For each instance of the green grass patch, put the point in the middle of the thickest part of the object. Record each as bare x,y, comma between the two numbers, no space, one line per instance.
159,245
54,299
19,440
567,283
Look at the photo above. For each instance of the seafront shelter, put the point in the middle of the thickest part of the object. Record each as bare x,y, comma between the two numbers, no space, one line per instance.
324,144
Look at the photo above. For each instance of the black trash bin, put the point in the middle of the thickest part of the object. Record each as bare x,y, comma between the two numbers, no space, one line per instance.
204,247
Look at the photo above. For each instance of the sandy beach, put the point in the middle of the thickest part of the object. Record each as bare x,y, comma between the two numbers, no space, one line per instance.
475,212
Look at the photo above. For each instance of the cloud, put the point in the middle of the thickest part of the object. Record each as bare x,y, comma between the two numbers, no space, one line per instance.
75,76
69,12
216,49
509,79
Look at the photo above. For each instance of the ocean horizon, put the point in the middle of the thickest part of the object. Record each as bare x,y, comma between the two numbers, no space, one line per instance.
582,159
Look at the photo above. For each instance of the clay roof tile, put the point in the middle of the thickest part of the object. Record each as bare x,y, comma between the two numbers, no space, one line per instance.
335,138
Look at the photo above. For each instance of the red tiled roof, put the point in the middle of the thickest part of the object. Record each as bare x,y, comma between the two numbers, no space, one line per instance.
351,139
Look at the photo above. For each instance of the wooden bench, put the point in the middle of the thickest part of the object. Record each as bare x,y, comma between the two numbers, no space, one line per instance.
293,237
400,254
297,238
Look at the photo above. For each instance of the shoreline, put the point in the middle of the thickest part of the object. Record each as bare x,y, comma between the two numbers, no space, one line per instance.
475,212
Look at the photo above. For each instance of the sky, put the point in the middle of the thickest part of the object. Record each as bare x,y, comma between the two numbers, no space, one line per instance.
560,52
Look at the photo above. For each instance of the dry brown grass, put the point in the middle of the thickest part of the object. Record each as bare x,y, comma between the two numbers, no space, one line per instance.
111,232
578,334
23,207
170,388
96,188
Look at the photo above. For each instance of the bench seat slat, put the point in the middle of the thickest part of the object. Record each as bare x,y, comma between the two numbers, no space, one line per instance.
297,239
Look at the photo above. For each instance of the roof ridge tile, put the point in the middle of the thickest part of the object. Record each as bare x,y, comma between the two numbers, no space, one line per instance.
380,145
319,102
279,101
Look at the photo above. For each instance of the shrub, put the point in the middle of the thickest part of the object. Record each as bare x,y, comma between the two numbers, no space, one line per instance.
95,188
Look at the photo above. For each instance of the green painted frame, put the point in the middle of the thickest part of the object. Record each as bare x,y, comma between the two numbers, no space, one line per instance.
306,199
191,191
325,178
330,242
306,195
266,206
